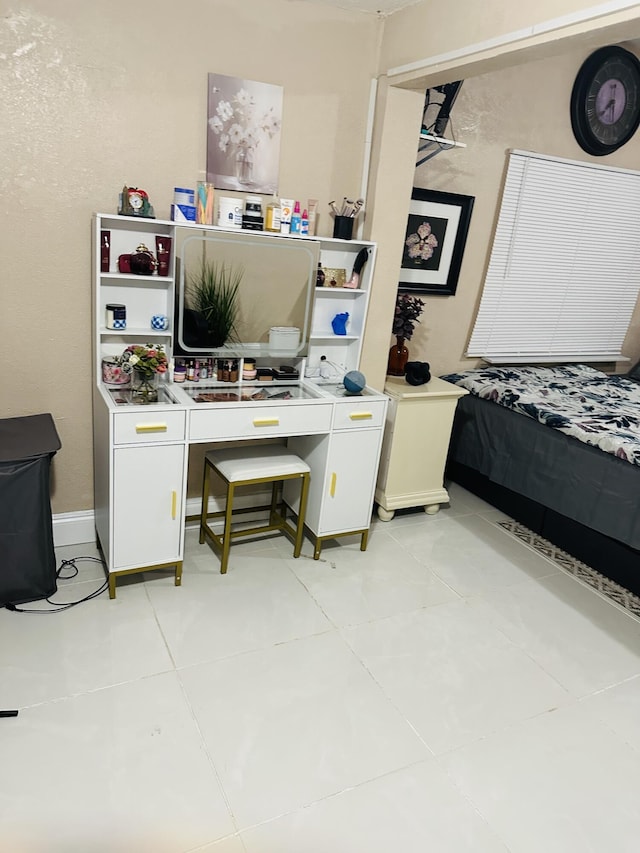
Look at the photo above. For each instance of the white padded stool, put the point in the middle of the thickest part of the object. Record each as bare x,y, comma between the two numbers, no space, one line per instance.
248,466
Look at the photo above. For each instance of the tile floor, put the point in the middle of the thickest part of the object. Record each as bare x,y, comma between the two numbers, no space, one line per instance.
450,690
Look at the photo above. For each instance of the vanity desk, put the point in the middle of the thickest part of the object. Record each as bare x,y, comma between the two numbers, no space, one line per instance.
141,451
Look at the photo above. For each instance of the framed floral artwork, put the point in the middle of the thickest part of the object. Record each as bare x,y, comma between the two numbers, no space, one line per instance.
434,242
244,120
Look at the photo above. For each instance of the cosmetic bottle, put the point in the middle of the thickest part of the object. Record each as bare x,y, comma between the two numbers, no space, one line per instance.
304,224
296,220
272,217
105,250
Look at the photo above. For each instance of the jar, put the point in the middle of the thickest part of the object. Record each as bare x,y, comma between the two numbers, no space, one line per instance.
252,218
116,316
249,369
179,373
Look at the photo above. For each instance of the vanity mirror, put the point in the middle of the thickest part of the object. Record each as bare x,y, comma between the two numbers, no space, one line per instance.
245,283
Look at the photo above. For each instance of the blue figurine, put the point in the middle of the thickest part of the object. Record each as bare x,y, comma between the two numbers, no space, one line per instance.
339,324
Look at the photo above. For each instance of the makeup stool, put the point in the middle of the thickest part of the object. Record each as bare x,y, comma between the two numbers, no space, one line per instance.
248,466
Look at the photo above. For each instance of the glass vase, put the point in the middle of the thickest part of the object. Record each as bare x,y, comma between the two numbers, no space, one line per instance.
144,387
398,357
245,162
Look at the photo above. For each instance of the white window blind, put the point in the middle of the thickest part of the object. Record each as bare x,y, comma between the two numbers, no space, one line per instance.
564,272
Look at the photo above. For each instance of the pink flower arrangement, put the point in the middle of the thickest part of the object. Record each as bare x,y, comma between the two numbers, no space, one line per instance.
146,358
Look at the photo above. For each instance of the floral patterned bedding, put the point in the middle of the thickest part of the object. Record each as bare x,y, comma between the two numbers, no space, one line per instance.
600,410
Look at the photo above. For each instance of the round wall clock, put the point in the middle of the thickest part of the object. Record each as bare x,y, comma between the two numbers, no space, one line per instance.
605,100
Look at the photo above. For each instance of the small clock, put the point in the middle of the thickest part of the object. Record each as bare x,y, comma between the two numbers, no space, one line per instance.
605,100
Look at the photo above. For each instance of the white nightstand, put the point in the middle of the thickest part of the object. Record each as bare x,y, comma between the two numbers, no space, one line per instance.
415,445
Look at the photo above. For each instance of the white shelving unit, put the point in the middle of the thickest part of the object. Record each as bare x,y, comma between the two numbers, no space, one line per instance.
144,449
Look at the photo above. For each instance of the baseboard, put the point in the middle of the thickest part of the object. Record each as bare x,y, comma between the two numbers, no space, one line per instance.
76,528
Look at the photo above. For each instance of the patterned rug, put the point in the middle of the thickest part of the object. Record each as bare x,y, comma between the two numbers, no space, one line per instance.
613,591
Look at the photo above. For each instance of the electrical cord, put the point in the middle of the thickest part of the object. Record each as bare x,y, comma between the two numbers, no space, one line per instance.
63,605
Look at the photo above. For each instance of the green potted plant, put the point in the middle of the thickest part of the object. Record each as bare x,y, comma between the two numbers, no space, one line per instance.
212,291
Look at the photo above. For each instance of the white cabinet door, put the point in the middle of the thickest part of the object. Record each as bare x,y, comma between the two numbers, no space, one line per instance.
147,505
349,482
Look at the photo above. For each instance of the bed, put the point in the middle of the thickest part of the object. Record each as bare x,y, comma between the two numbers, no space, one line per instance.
557,449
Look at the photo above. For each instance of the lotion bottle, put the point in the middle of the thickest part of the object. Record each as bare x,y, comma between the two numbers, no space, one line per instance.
304,224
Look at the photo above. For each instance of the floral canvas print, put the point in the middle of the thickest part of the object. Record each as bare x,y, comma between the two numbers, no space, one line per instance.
244,120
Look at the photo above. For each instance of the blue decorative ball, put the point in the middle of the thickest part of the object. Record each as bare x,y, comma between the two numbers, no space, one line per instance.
354,382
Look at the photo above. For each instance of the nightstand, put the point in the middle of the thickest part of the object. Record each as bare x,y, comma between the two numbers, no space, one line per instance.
415,445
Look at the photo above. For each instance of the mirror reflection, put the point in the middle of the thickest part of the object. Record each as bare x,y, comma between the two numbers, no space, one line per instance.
234,289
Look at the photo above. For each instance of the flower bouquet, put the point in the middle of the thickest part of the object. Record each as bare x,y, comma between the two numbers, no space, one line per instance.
144,362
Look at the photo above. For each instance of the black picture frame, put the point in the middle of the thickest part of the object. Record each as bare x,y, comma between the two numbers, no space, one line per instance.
435,238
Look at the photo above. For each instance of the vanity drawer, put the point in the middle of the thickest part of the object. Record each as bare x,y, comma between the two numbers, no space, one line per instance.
259,421
145,427
358,414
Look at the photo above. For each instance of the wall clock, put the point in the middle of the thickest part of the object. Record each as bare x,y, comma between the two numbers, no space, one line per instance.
605,100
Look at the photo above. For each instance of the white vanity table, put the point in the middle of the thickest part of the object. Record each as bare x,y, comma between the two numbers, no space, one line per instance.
141,451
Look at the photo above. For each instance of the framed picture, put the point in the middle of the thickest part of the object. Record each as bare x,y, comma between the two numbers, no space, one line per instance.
434,242
244,120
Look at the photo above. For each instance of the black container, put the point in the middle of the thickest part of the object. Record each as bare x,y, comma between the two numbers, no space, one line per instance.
28,566
343,227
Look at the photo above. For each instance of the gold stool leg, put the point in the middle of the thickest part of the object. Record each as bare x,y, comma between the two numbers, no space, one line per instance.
226,537
205,501
304,494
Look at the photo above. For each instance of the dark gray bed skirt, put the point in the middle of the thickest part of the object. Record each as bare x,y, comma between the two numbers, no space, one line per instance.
582,483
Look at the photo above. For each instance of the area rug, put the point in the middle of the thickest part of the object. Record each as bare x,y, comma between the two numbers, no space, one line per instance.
608,588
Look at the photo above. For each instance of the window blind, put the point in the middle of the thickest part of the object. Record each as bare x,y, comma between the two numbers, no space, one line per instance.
564,272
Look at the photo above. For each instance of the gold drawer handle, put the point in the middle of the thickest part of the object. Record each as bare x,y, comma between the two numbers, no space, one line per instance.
151,427
361,416
174,501
332,488
266,422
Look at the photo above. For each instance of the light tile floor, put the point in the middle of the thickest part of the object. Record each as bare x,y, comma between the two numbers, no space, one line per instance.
450,690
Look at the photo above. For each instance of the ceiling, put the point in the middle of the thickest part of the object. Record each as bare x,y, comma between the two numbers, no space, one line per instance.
381,7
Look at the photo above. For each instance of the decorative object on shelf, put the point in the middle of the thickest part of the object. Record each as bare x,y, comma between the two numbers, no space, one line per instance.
113,374
145,362
339,323
354,383
605,100
142,261
361,259
135,202
163,254
334,277
212,291
321,276
407,313
244,118
116,316
435,238
417,372
124,264
160,322
398,357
